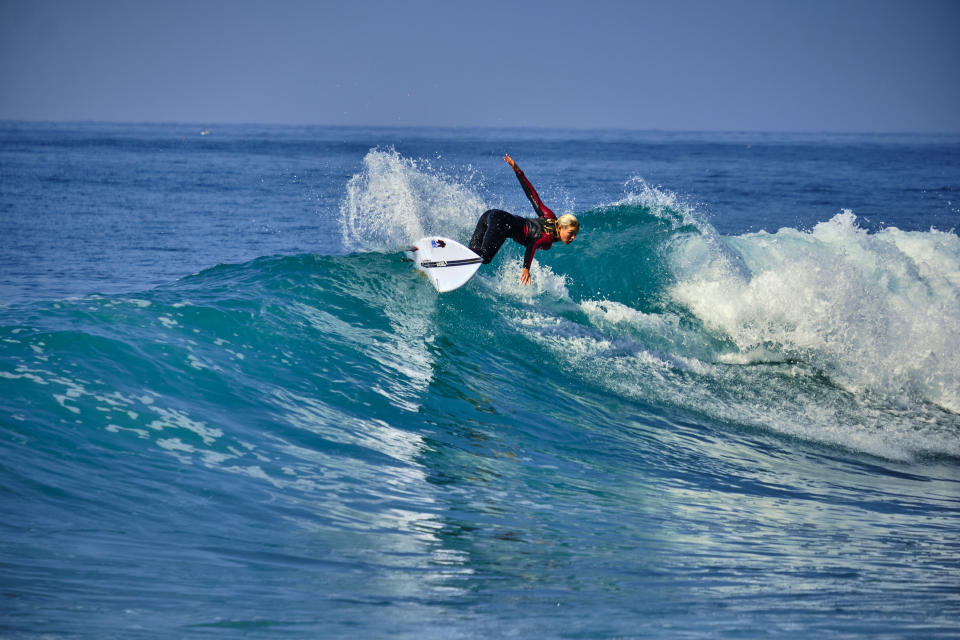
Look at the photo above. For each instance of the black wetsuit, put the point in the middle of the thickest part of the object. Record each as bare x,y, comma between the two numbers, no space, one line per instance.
496,225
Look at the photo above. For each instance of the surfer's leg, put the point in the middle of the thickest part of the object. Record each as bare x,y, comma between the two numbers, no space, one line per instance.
497,225
476,240
500,226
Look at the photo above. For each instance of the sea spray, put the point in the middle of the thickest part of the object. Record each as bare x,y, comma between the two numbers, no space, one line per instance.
394,201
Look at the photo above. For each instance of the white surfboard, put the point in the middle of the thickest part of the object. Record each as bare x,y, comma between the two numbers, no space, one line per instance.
446,263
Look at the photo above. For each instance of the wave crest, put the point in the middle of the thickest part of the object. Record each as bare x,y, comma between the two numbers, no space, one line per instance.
876,312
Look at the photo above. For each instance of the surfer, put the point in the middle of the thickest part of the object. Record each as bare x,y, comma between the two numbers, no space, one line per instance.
496,225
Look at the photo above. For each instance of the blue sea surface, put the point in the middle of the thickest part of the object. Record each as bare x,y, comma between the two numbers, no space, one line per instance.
228,408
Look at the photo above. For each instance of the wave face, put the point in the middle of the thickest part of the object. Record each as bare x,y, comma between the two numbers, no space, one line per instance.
832,334
671,430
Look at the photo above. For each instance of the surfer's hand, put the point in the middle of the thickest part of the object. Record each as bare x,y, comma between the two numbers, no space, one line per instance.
509,161
525,276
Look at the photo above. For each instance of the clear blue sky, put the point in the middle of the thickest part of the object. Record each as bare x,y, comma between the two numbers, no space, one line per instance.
811,65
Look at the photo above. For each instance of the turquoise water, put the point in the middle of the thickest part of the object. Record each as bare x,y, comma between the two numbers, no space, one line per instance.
229,409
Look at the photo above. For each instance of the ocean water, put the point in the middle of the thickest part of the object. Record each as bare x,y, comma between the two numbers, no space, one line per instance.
731,409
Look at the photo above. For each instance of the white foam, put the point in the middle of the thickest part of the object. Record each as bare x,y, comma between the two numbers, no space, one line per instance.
663,332
395,201
876,312
543,281
787,398
662,203
175,444
113,428
24,374
175,419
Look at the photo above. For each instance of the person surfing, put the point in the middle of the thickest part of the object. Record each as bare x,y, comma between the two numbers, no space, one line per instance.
496,225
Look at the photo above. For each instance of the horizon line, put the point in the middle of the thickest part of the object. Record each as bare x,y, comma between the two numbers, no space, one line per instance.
207,124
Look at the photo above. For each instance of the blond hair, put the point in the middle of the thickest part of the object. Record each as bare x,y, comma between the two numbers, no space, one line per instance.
568,221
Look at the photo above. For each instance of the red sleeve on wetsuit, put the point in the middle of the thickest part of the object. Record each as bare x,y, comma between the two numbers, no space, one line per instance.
541,241
538,206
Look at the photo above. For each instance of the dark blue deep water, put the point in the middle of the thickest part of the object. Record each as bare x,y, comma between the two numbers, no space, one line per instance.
731,409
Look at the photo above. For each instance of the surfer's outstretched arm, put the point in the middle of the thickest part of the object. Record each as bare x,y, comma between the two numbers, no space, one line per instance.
538,206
